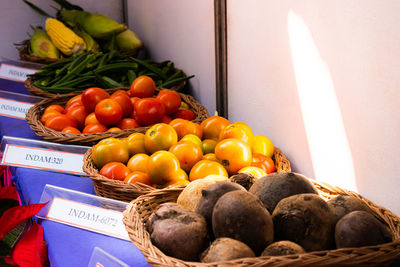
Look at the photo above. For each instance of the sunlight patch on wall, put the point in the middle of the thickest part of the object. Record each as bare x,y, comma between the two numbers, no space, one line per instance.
326,135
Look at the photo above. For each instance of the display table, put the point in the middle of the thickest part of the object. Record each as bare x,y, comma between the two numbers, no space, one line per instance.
67,245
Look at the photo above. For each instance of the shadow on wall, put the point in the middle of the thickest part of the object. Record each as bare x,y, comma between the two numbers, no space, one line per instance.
323,122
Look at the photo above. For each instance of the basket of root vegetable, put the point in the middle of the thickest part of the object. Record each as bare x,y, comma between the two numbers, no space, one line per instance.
284,219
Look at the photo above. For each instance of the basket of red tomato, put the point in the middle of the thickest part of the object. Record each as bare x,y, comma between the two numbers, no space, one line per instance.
96,113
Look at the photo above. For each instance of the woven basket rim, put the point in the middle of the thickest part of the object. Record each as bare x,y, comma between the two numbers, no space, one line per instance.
120,190
134,223
34,113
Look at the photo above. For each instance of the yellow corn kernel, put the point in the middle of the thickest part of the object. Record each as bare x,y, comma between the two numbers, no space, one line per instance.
64,38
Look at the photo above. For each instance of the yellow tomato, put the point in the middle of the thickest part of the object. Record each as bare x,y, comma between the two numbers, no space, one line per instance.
238,130
234,154
262,145
255,171
160,136
210,156
109,150
193,138
208,145
138,162
162,167
135,143
188,154
204,168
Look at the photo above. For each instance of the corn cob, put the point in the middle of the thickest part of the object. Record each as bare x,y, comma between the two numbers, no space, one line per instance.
64,38
91,44
42,46
128,40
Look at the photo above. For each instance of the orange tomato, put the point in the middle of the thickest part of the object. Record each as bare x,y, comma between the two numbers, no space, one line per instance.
162,167
138,177
188,154
128,123
238,130
208,145
135,142
143,86
212,126
94,128
48,114
113,129
91,118
160,136
115,171
71,130
59,122
179,180
204,168
262,145
138,162
54,107
264,162
109,150
184,127
233,154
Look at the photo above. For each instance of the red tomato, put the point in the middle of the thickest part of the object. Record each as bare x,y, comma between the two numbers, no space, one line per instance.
71,130
59,122
121,91
77,98
128,123
263,162
124,101
142,86
92,96
170,99
166,119
149,111
108,112
78,113
72,105
134,99
94,128
186,114
115,171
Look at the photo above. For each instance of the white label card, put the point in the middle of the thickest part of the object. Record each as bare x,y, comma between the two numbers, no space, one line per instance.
13,108
88,217
42,158
14,73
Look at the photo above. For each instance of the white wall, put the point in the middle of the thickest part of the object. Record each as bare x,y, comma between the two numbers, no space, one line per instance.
181,31
321,79
16,16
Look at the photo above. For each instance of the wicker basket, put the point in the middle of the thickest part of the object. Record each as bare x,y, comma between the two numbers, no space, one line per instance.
138,211
119,190
34,114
